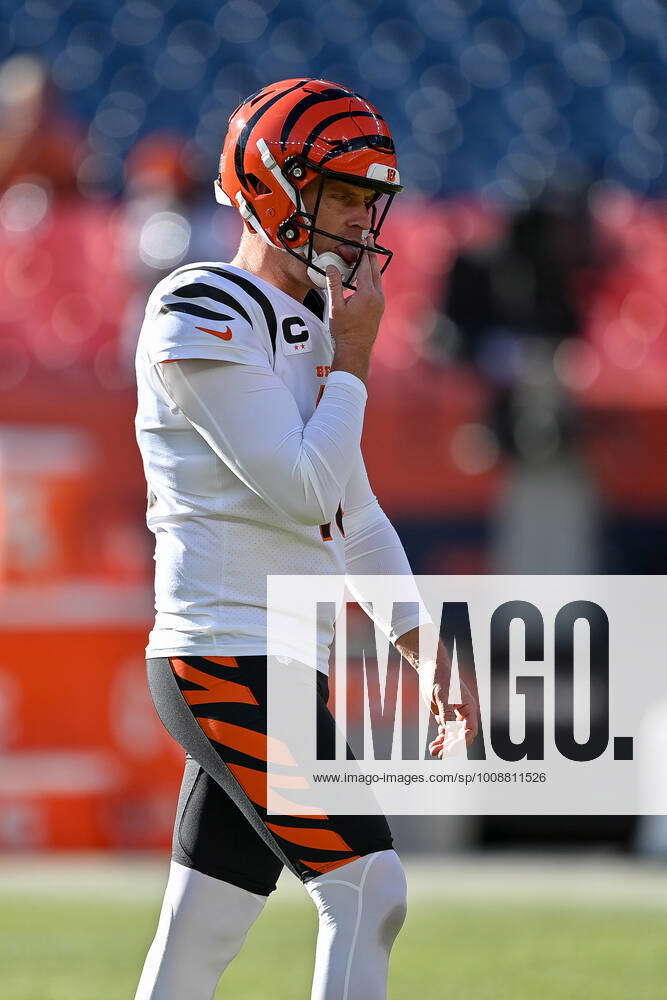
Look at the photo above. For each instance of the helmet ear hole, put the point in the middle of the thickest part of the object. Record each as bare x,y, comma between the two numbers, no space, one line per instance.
258,185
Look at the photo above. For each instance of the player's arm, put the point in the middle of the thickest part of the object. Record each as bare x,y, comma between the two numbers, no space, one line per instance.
250,419
373,548
247,414
209,348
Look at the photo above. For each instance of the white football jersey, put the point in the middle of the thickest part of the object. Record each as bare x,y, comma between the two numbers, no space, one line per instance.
216,540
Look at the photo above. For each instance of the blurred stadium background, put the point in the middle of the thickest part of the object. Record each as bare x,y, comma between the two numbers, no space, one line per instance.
517,418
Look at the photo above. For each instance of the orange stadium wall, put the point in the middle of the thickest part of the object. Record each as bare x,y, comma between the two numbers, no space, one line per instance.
85,760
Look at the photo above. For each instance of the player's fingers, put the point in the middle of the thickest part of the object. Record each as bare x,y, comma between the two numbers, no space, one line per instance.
335,289
368,264
472,720
374,260
364,276
467,714
446,713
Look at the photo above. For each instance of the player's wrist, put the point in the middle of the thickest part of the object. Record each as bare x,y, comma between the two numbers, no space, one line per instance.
351,359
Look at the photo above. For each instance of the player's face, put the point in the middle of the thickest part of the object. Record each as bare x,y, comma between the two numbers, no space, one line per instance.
344,209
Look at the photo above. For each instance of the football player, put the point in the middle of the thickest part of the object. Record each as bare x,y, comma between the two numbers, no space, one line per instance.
251,393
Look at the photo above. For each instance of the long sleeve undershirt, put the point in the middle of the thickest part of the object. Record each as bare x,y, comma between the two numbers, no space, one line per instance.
300,469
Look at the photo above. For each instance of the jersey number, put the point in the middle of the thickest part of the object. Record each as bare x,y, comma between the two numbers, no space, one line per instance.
325,529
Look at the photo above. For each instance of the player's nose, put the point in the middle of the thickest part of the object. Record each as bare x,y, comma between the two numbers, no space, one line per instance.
359,218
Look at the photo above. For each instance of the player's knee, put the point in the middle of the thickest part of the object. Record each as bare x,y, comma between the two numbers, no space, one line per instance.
379,905
207,915
385,890
202,926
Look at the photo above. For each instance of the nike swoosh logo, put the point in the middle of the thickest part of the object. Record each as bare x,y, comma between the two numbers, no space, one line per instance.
223,334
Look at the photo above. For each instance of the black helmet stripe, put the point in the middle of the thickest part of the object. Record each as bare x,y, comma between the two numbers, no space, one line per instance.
326,122
330,94
249,126
359,142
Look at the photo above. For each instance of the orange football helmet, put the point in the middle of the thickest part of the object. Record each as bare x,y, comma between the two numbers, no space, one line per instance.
285,136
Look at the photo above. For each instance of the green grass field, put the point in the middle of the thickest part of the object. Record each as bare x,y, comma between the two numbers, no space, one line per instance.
514,945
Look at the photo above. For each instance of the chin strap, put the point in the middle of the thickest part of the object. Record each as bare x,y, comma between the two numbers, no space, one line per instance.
324,260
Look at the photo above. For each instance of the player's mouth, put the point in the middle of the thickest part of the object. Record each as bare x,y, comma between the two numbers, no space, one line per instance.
348,253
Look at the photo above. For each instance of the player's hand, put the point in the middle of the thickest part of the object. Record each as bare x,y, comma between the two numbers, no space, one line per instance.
466,712
434,684
354,322
434,678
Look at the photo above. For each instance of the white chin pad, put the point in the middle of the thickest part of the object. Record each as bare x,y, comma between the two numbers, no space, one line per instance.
323,260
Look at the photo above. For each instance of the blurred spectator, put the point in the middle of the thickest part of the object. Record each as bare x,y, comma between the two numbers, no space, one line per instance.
509,305
523,283
169,219
507,310
37,140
